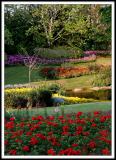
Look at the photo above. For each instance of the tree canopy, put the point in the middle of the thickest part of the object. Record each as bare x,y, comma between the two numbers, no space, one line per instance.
85,26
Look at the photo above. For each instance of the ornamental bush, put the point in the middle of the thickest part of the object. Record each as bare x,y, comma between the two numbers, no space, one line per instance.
103,78
20,97
63,72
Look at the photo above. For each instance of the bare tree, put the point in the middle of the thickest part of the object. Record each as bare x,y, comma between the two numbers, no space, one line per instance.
31,61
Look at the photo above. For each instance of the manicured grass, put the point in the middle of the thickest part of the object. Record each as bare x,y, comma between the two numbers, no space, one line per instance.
85,107
19,75
70,83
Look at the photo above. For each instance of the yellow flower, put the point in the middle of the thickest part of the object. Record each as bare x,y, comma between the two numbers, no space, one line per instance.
18,90
72,100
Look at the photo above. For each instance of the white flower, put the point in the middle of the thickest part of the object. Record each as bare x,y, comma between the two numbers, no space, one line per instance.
57,109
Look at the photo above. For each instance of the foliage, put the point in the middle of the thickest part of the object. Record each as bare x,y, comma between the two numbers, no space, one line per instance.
63,72
58,53
73,100
103,78
95,68
8,38
100,94
72,134
38,97
84,26
54,88
45,97
20,96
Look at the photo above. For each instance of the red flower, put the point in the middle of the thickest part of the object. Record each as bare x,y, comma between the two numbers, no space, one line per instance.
13,152
51,152
12,118
104,133
29,133
51,118
60,117
34,118
105,151
6,142
102,139
96,113
34,141
70,151
64,133
70,121
79,114
74,145
41,136
40,122
26,148
32,128
10,125
86,133
65,128
103,119
78,152
79,128
92,144
108,141
61,152
18,140
108,116
50,133
93,125
63,121
40,118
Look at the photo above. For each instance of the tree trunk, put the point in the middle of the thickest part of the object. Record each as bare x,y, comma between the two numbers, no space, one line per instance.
29,75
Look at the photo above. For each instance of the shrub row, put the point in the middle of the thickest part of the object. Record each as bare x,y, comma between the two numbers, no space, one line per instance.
69,72
101,94
27,97
38,97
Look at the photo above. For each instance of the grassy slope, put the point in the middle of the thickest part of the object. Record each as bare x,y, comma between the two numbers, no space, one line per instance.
85,107
19,74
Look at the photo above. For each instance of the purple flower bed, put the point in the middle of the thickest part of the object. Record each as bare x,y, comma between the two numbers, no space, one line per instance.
104,52
18,59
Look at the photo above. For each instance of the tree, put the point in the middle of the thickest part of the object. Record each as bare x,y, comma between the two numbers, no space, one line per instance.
48,18
31,62
84,26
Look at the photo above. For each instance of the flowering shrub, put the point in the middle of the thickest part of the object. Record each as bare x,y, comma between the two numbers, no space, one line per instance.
73,100
72,134
18,59
97,52
63,72
20,96
12,95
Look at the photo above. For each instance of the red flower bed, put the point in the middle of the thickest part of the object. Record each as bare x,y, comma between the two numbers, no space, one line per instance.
72,134
63,72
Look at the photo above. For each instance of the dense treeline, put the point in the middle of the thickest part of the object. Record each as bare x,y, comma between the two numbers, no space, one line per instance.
83,26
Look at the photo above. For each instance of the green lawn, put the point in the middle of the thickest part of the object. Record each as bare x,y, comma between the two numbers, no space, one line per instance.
85,107
19,75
